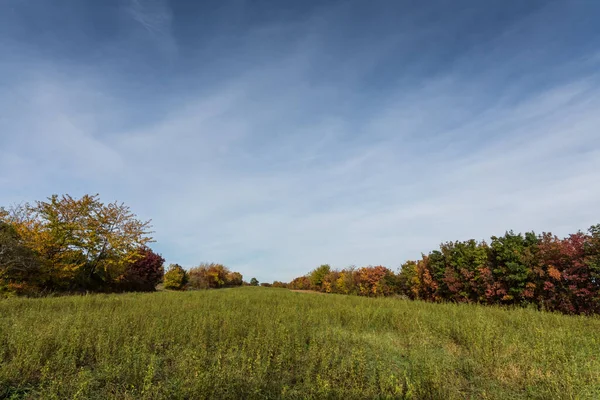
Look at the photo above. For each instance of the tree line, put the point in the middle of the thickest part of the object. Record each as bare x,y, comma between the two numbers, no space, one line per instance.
67,244
545,271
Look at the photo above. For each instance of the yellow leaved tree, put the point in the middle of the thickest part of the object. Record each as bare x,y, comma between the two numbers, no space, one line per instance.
82,243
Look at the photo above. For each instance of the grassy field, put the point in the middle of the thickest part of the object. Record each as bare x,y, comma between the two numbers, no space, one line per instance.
272,343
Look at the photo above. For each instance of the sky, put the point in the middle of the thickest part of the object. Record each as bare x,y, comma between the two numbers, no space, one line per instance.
275,136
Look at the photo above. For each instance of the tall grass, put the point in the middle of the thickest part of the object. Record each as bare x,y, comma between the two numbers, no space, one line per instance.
259,343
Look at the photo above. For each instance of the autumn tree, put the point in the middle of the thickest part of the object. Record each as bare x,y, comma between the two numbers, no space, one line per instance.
144,272
376,281
318,275
408,280
300,283
234,279
19,265
175,278
213,276
84,243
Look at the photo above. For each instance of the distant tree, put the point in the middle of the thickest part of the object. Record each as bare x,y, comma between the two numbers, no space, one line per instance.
511,259
346,282
463,263
145,272
318,275
253,282
234,279
266,284
300,283
175,278
213,276
376,281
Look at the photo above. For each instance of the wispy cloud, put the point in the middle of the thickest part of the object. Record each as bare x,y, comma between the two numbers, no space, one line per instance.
154,15
287,157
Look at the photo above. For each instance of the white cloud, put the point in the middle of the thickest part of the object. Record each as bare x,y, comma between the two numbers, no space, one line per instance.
273,174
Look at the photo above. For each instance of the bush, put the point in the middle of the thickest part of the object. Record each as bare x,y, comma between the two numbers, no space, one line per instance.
175,278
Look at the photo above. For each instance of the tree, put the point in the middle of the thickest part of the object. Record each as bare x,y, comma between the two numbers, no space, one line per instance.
253,282
213,276
234,279
175,278
511,260
376,281
300,283
145,272
19,265
318,275
85,244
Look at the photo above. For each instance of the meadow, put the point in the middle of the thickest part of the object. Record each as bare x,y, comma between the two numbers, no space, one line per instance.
269,343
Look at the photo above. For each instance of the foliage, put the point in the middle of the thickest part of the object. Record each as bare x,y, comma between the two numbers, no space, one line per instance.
253,282
255,343
19,265
300,283
213,276
317,276
175,278
82,244
145,272
514,269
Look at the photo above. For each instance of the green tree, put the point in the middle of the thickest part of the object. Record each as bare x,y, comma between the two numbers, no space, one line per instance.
175,278
318,275
511,260
253,282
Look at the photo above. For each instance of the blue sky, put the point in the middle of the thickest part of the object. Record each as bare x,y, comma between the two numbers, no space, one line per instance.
276,136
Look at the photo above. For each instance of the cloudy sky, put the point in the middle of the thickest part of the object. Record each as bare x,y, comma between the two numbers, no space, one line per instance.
274,136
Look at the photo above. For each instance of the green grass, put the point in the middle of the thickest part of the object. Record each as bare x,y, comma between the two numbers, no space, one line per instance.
259,343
